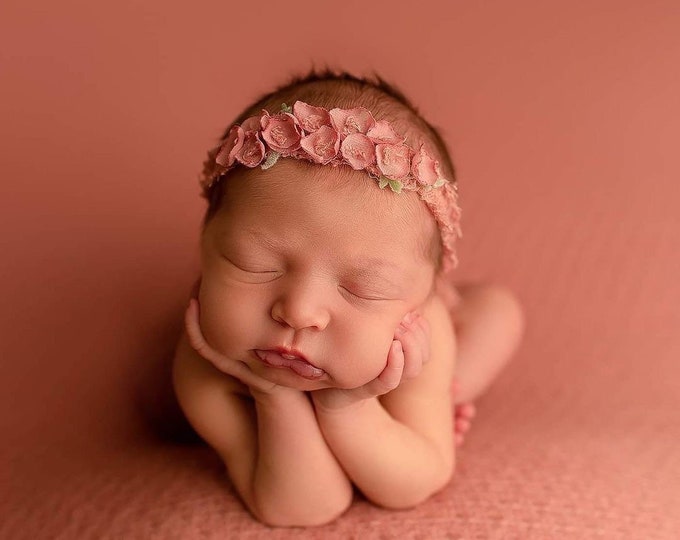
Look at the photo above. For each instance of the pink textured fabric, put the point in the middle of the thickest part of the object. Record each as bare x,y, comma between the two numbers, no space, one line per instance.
563,118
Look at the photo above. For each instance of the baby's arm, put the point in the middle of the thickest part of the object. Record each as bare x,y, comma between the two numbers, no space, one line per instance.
273,449
399,449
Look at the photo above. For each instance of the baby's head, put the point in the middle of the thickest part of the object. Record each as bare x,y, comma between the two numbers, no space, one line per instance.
342,91
331,240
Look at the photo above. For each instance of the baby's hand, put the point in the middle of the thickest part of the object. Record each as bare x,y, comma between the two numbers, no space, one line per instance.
231,367
410,349
413,333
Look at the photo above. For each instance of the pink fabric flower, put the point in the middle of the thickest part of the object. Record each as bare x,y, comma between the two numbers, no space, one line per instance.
211,169
251,152
394,160
348,121
232,144
281,132
425,168
311,118
321,145
253,123
382,132
358,150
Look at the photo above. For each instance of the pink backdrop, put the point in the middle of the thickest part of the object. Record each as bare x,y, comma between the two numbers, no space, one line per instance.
563,119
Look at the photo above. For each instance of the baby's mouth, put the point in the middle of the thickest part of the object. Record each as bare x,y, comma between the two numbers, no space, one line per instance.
281,359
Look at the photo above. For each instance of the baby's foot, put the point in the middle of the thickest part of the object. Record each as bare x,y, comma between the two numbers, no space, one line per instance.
464,414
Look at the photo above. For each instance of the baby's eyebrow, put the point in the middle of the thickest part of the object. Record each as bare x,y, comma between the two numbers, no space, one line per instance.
376,269
374,263
250,235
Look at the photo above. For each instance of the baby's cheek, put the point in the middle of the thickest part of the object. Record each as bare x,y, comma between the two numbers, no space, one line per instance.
374,350
222,324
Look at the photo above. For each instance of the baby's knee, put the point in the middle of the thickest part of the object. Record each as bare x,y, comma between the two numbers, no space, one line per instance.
494,302
507,307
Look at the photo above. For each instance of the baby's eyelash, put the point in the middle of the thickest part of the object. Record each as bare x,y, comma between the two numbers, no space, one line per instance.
361,297
249,271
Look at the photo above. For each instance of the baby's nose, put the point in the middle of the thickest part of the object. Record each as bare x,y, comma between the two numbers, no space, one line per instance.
302,307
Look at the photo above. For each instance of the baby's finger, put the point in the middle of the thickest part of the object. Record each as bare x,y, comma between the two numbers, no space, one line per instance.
416,347
413,355
390,377
198,342
423,331
193,328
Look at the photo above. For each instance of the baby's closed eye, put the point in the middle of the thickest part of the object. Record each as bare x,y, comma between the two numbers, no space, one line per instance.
260,271
360,294
367,291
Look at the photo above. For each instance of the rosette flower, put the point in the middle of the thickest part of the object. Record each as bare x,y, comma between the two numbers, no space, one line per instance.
211,169
253,123
322,145
230,147
394,160
281,132
311,118
382,132
425,169
348,121
251,152
358,150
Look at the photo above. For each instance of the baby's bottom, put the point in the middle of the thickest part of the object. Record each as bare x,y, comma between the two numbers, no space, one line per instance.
489,323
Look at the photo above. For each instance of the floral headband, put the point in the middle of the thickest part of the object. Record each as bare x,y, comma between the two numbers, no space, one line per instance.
350,137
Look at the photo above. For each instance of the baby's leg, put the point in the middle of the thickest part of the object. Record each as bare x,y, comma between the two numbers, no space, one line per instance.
489,323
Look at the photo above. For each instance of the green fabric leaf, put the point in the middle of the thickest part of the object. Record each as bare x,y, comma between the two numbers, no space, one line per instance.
439,183
395,185
286,108
383,182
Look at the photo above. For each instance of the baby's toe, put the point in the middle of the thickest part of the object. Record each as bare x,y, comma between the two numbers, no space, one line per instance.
466,410
462,425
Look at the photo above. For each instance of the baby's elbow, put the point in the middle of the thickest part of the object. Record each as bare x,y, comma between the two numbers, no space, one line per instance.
414,495
322,514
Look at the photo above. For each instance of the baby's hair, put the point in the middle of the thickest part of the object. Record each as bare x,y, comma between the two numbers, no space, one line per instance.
329,89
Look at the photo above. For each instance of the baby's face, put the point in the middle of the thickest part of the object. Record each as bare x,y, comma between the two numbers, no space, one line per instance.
300,270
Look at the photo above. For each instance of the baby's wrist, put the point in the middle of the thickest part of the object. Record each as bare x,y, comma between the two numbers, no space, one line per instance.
330,402
275,395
